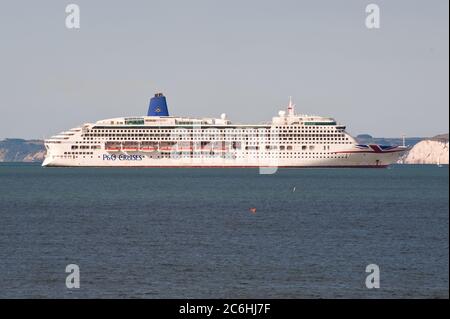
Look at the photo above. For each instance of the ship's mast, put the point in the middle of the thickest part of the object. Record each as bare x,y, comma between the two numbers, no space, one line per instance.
291,107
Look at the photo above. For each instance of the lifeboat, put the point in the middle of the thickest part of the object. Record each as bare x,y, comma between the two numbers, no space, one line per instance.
113,147
130,147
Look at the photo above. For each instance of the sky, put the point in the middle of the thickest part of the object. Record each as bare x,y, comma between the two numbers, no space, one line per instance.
239,57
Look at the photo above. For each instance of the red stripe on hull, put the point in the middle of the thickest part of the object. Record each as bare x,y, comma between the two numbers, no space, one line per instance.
376,148
367,152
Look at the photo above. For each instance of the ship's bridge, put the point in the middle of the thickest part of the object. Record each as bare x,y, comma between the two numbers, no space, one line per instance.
284,119
290,118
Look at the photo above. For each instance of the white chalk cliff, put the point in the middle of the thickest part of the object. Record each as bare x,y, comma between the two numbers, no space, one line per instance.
430,151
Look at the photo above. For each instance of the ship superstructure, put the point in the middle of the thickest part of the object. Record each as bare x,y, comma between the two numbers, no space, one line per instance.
161,140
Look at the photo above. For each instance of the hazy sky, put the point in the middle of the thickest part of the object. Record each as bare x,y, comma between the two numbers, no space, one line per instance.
242,57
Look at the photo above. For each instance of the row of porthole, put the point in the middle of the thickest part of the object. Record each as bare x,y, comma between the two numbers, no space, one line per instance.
316,142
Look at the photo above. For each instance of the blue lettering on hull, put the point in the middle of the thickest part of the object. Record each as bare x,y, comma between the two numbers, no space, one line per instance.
122,157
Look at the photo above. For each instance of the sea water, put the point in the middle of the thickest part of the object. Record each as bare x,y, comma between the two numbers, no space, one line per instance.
224,233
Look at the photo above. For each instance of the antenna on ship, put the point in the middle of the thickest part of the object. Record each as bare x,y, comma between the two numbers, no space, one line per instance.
291,107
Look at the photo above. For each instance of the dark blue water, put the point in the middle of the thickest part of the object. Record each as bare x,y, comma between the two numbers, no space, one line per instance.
188,233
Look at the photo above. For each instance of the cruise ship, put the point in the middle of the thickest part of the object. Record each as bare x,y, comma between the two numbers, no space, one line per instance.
159,140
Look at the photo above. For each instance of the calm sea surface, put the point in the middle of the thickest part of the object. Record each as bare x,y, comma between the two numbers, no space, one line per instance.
188,233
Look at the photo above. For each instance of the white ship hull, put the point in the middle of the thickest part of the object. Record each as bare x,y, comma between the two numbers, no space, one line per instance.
143,159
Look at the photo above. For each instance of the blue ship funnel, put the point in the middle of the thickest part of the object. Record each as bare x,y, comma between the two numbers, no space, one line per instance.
158,106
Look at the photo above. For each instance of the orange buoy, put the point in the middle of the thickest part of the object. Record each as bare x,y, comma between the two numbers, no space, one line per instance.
253,210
